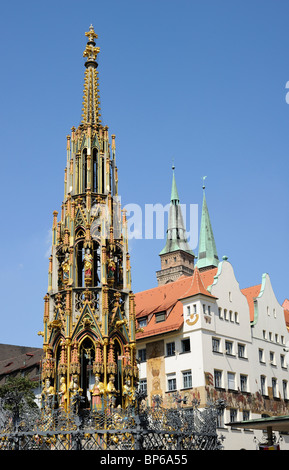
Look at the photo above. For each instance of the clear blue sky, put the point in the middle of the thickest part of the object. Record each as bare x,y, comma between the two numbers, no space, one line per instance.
201,82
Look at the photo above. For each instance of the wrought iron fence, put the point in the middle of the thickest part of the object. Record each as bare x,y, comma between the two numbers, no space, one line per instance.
141,428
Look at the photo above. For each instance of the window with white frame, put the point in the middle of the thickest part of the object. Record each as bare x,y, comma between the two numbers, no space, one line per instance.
274,387
272,357
170,348
270,335
185,345
285,389
243,383
143,385
246,415
216,344
261,355
229,347
142,356
218,378
263,385
231,376
233,415
187,379
171,382
241,350
220,418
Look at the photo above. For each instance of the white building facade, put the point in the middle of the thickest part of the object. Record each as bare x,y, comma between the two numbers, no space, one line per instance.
219,352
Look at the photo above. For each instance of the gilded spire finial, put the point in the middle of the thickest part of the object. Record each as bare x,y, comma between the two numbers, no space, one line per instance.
91,108
91,50
91,34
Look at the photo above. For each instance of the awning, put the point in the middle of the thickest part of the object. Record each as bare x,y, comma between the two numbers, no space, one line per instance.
272,423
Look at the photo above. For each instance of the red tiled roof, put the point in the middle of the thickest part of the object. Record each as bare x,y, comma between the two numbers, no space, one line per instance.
197,286
251,293
166,299
18,358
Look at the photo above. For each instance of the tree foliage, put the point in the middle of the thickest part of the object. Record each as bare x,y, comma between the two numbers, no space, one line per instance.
17,390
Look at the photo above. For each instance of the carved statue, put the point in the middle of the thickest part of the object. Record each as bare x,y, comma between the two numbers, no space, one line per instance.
73,386
87,264
128,393
96,393
48,395
111,390
76,392
62,392
111,268
65,268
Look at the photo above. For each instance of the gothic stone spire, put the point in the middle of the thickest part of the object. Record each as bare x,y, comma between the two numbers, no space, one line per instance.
89,314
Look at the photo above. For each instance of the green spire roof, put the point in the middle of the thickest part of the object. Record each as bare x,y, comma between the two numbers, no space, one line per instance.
207,248
176,233
174,192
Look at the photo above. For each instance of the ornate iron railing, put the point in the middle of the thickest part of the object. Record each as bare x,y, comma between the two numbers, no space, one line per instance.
150,428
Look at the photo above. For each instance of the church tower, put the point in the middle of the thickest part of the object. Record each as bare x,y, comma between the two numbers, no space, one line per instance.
89,312
177,258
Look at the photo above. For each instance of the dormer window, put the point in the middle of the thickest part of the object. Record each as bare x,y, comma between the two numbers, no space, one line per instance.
142,322
161,316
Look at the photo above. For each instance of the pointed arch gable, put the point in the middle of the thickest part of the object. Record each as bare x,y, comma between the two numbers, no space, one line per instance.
86,323
119,325
95,141
118,336
56,331
80,219
84,334
57,340
83,142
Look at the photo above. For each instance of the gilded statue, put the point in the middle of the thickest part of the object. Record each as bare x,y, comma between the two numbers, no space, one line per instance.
65,268
97,392
62,392
87,264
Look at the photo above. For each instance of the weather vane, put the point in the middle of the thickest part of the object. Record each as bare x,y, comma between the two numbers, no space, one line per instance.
203,178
